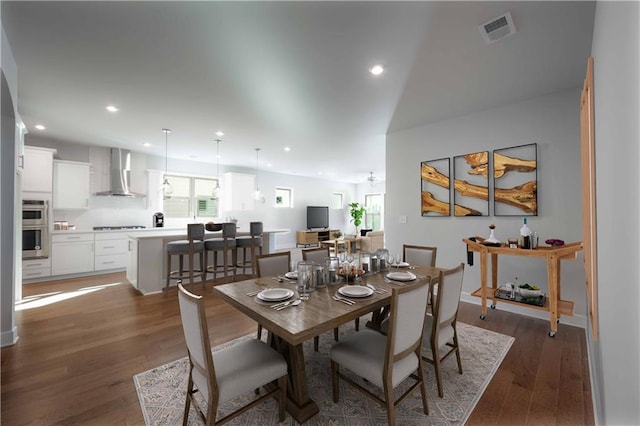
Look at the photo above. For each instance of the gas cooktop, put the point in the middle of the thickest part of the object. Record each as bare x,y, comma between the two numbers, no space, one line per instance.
115,228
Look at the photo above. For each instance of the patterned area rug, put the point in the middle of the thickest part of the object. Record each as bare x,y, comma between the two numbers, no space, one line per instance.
161,390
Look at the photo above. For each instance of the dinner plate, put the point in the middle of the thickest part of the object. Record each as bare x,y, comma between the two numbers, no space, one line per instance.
355,291
401,276
293,275
275,294
400,265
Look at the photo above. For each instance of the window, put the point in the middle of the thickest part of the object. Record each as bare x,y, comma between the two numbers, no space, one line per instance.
336,200
191,197
373,213
284,197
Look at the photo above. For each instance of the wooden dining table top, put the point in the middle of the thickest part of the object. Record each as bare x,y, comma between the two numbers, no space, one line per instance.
320,313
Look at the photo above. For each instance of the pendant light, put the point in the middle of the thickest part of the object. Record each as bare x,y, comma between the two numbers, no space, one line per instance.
258,195
215,193
167,189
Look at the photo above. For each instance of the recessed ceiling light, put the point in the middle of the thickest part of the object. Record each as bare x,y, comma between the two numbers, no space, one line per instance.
112,108
220,133
269,165
39,127
376,69
286,148
147,144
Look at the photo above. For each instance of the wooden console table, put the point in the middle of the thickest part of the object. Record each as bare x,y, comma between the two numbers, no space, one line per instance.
553,304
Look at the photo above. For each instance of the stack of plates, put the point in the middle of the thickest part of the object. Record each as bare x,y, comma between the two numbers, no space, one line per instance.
401,276
355,291
275,294
293,275
400,265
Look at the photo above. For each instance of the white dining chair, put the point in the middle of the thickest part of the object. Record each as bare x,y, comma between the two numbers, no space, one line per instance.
440,328
228,373
272,265
387,360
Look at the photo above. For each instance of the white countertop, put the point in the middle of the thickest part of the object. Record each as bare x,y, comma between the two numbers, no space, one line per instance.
159,232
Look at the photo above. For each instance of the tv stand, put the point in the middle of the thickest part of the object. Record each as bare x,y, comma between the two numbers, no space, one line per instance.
308,238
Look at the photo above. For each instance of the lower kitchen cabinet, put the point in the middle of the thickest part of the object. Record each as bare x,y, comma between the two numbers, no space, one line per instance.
132,264
36,268
112,251
72,254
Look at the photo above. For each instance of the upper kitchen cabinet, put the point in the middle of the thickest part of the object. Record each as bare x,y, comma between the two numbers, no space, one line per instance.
38,169
238,191
71,185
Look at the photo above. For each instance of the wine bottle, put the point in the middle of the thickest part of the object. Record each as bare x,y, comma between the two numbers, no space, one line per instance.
525,235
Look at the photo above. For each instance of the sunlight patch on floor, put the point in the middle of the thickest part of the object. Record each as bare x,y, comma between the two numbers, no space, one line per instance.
40,300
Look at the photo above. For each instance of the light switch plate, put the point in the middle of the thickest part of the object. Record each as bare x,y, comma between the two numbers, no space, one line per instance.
402,219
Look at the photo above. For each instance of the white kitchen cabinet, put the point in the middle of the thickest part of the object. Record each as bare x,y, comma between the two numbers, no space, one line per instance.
37,175
238,191
36,268
111,251
71,185
72,253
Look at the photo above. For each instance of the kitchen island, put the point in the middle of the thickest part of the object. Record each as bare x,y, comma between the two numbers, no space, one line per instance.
146,266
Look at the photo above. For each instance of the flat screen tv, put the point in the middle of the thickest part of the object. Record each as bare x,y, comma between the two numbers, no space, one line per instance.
317,217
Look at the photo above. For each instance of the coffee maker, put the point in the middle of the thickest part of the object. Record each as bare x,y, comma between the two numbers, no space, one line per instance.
158,220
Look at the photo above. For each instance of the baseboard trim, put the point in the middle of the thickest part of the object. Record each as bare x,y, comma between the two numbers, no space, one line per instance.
8,338
576,320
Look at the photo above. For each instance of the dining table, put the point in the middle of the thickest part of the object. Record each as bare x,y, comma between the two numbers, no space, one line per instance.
289,328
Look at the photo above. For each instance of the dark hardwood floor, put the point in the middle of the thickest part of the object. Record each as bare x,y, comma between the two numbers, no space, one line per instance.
82,340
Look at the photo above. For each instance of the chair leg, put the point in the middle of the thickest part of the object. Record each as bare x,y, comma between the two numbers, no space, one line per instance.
259,331
187,402
316,343
334,381
455,342
436,365
423,389
191,268
391,408
336,334
357,324
282,398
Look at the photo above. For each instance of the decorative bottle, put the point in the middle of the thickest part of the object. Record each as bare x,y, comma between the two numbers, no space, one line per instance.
525,235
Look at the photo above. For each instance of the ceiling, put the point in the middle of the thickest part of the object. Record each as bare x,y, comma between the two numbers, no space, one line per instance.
281,74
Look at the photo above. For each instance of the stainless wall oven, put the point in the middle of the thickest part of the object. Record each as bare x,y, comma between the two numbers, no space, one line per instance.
35,229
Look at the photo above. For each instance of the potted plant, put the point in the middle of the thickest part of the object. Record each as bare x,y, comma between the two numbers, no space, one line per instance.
337,234
356,211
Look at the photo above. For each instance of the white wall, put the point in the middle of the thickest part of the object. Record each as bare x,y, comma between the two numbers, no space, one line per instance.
553,123
135,211
8,329
615,358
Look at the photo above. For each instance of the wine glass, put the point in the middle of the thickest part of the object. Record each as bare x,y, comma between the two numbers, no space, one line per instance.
392,260
349,258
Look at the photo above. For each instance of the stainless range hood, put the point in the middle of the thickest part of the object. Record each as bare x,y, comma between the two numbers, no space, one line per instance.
120,170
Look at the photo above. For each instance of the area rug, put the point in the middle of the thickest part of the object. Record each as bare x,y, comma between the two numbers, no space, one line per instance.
161,390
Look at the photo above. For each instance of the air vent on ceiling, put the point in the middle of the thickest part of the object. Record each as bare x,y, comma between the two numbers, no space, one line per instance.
497,28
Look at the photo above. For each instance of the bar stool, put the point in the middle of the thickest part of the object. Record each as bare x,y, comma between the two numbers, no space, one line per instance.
253,242
190,247
224,244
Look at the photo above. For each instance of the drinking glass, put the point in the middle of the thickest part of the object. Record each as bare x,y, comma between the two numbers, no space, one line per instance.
305,277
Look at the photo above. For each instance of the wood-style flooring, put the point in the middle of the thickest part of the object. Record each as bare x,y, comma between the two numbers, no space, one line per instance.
82,340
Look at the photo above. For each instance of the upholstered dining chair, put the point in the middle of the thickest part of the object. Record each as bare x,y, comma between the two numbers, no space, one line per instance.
440,328
386,361
421,256
317,255
227,373
272,265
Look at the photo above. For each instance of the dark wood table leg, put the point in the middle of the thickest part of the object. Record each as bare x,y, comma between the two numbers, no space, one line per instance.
299,404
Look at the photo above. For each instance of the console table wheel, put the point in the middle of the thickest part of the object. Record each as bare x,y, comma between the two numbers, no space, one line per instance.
493,306
552,334
482,316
